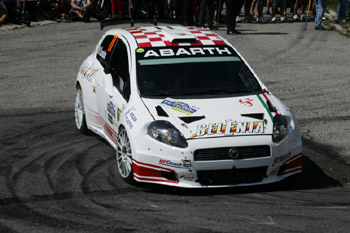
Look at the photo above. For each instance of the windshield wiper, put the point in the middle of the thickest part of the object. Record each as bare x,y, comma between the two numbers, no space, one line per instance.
214,91
165,93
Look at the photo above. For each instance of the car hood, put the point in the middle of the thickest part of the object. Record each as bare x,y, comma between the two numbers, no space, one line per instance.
216,117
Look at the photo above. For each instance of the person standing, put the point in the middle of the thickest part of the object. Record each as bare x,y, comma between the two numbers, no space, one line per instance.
206,4
268,5
28,11
341,11
320,7
303,8
191,17
260,18
233,8
282,5
116,7
248,17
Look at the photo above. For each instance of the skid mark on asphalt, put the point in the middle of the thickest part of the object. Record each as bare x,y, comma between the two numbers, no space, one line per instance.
58,179
51,163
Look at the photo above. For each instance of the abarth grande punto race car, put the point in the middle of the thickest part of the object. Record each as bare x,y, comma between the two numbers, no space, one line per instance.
182,107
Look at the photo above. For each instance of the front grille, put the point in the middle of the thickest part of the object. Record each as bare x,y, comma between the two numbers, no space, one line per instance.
232,176
245,152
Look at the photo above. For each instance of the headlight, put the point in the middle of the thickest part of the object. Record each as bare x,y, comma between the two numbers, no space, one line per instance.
280,128
165,132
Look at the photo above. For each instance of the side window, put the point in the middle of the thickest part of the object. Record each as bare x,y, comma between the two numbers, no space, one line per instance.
119,67
102,53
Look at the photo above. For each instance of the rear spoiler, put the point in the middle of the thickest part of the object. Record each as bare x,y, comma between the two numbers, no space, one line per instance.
154,21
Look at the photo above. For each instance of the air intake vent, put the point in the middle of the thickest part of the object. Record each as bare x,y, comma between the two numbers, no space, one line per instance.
191,119
184,40
161,112
259,116
222,153
232,176
179,36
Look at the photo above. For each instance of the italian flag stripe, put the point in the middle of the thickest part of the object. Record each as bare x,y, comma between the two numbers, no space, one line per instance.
268,100
265,106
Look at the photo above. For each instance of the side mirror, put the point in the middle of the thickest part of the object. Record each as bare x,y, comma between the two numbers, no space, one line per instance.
108,84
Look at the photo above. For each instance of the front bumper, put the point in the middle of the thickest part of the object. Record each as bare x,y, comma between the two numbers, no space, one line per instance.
155,162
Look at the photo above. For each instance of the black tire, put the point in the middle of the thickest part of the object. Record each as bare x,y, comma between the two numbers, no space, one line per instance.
124,157
79,111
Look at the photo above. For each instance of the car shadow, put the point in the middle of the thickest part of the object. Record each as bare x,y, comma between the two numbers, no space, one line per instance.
312,177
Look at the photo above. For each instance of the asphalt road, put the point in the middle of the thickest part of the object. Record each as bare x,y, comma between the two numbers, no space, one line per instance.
52,179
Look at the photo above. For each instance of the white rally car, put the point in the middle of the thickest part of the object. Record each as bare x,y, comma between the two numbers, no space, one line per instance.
182,107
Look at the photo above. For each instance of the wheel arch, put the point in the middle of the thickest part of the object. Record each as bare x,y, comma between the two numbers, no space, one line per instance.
120,127
77,84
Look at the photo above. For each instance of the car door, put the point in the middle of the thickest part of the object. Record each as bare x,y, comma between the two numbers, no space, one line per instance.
115,86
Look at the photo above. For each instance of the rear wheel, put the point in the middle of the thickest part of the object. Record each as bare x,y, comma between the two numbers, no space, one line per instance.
80,119
124,157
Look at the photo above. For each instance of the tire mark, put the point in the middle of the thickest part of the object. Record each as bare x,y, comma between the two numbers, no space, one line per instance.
295,47
52,165
19,165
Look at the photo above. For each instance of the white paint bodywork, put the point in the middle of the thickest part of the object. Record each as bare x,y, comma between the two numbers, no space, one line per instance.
150,155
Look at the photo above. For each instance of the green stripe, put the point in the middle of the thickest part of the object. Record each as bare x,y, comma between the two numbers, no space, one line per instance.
186,60
265,106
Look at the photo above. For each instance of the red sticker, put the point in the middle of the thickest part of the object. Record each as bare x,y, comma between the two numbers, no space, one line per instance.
247,102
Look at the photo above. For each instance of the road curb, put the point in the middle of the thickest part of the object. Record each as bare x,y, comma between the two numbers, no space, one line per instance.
11,27
331,15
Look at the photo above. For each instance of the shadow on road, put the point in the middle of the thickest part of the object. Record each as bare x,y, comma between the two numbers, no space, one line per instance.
255,32
86,163
312,177
264,33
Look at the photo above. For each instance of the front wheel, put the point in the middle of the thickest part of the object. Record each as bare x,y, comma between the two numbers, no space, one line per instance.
124,157
80,119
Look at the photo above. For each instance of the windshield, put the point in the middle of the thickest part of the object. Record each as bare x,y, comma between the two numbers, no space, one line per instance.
192,73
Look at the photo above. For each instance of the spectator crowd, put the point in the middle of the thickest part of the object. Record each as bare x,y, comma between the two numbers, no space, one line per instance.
203,13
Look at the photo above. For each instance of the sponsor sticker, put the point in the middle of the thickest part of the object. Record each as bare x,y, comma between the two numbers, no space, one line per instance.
118,114
88,72
187,51
246,102
170,163
229,128
130,117
101,53
274,171
281,158
111,108
180,106
140,50
187,178
110,119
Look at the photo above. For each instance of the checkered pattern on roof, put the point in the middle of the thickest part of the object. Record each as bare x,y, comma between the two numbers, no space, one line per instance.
156,38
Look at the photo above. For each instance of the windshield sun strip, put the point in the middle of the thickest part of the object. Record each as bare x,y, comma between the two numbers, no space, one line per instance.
186,60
